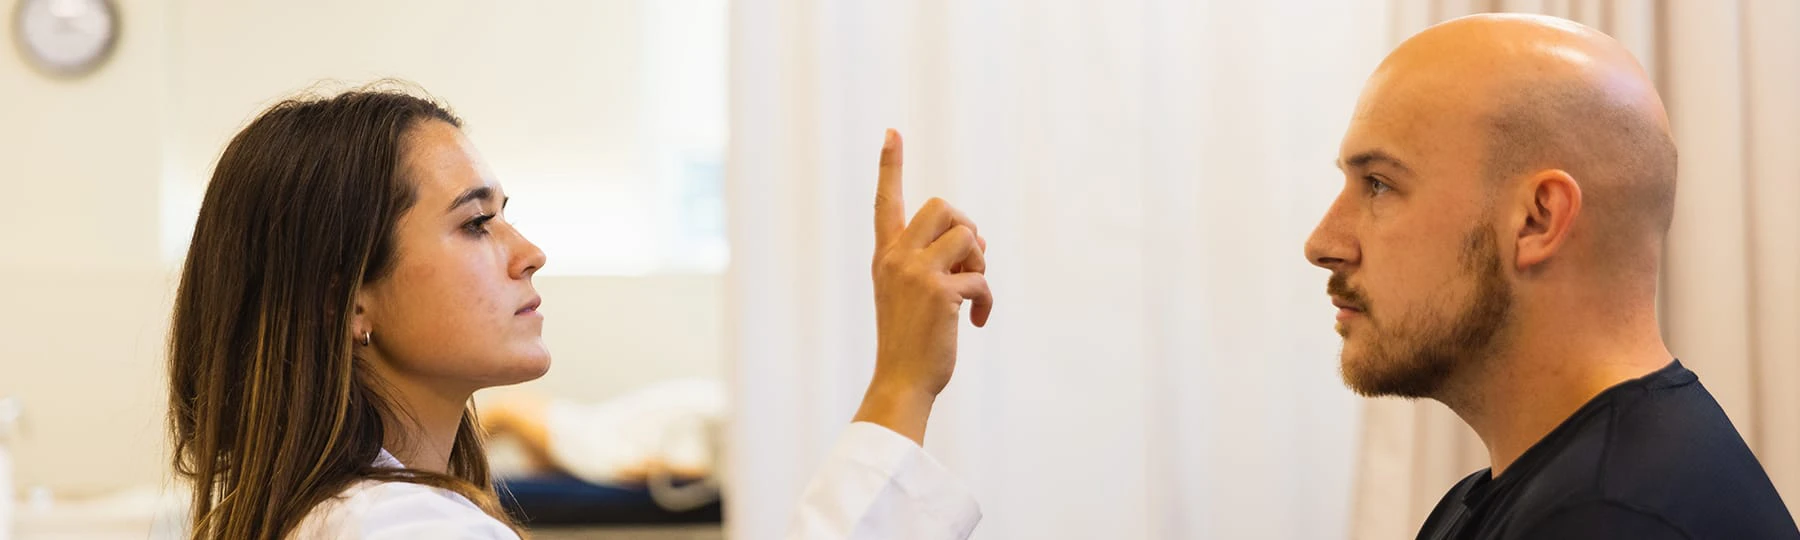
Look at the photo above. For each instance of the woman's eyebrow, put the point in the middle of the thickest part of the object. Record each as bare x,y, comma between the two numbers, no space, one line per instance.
482,193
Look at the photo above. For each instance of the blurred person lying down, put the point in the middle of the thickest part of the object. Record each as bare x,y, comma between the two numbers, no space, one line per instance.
668,430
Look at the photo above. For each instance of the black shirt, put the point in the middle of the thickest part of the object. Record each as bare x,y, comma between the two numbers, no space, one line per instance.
1651,458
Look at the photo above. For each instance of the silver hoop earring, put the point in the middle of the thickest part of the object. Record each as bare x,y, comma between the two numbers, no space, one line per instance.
368,336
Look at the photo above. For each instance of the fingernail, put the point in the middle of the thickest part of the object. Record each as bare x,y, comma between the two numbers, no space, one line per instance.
887,141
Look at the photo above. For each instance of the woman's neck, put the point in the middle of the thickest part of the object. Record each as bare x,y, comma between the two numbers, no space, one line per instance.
421,430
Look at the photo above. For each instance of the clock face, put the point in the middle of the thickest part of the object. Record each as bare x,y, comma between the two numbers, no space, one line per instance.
66,37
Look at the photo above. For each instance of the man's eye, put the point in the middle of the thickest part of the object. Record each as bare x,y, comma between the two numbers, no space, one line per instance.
1376,186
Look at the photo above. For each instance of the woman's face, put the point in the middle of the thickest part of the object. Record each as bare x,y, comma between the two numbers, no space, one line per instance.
457,311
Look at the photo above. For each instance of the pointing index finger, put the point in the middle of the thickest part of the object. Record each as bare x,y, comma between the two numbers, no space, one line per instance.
890,206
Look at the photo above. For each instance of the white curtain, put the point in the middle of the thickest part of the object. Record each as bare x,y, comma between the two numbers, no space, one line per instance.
1728,72
1160,363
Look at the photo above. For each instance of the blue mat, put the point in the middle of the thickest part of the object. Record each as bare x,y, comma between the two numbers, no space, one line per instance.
558,499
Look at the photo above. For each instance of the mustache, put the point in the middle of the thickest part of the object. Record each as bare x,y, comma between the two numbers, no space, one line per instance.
1339,286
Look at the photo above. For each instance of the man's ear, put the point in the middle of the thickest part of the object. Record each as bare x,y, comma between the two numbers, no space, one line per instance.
1553,202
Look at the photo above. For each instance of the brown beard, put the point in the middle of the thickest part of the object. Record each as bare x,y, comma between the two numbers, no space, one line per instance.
1416,356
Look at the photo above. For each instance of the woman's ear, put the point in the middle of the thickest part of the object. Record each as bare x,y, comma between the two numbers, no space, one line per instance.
361,324
1553,204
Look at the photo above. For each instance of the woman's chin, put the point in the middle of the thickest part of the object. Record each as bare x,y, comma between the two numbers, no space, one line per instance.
524,367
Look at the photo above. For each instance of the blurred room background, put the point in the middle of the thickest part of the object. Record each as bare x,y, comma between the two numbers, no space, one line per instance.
1160,363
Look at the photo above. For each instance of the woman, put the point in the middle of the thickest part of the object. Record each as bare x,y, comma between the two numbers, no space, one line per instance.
352,281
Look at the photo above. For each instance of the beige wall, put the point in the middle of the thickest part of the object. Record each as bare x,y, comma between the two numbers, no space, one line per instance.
85,292
95,168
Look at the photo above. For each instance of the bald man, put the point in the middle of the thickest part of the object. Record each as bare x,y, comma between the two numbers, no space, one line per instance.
1509,181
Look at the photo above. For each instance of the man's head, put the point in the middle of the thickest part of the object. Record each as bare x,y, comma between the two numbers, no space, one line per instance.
1498,168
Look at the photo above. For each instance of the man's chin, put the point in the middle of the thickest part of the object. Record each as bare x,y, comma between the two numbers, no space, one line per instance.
1369,376
1356,374
1372,377
1354,354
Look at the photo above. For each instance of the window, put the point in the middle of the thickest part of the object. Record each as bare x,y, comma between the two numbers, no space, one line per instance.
606,121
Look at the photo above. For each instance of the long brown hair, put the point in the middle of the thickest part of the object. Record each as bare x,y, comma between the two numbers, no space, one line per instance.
271,409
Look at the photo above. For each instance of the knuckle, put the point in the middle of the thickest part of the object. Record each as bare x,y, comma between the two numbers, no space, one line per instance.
919,273
963,219
948,297
888,263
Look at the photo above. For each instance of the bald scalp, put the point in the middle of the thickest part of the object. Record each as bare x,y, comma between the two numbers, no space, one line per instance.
1548,93
1624,160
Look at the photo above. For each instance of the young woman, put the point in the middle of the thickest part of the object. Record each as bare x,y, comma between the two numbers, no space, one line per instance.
352,281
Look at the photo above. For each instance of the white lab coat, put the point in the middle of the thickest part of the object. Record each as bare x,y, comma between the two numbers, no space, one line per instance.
874,485
378,510
878,485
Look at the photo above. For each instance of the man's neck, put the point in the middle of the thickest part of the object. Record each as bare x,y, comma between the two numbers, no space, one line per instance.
1543,376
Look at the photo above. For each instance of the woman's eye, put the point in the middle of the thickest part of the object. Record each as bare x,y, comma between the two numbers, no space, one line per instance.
1376,186
478,225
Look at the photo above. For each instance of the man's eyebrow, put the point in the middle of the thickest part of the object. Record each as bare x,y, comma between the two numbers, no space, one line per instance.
483,193
1364,159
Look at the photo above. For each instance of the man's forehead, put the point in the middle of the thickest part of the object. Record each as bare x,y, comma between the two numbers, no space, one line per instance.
1373,138
1412,126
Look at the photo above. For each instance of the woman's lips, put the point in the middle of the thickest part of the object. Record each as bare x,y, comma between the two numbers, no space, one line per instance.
530,308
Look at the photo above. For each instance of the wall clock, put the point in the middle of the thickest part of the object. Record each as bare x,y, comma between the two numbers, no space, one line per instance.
66,38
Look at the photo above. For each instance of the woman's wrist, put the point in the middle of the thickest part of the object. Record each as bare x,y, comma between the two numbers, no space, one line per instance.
898,406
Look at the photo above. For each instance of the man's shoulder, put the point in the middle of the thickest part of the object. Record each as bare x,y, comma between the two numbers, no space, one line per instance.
1661,457
1602,519
1675,445
1673,455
